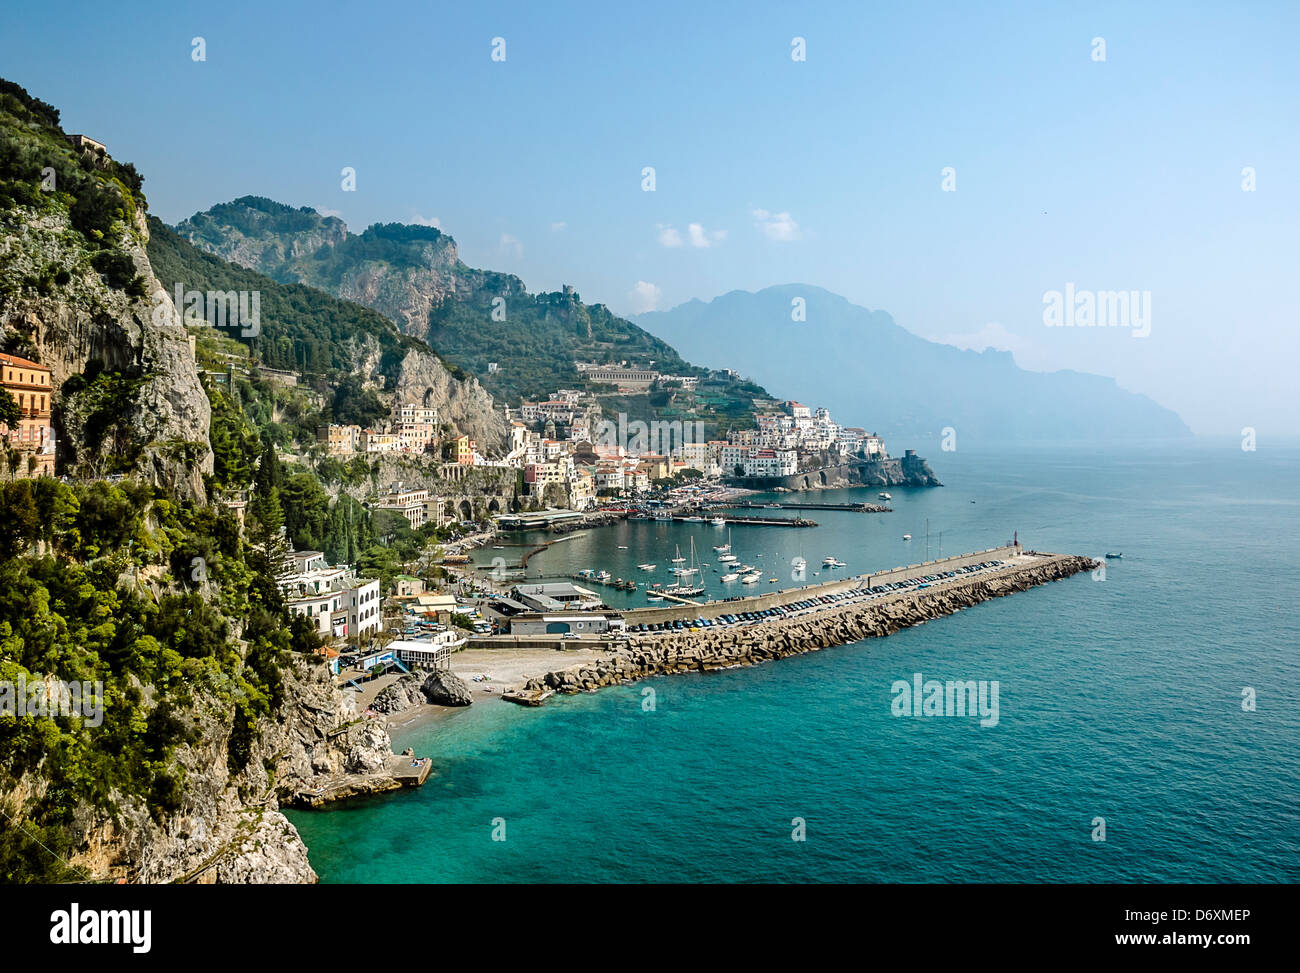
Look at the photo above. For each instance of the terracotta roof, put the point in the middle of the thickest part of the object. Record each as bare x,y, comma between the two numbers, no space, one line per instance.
15,360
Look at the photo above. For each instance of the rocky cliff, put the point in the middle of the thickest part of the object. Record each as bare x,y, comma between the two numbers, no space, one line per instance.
229,828
78,295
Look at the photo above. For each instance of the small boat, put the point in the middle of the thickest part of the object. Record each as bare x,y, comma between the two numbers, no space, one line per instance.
727,557
884,496
724,548
692,520
1113,555
771,580
730,577
907,537
646,567
719,522
603,575
753,578
653,596
663,516
622,547
586,573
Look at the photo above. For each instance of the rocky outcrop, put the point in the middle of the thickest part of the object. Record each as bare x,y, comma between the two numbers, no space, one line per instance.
162,423
461,402
229,828
400,696
445,688
709,649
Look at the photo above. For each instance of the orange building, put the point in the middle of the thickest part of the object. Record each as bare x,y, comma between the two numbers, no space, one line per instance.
32,387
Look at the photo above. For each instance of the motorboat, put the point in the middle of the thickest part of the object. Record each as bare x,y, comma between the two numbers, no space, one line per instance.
719,521
646,567
732,576
907,537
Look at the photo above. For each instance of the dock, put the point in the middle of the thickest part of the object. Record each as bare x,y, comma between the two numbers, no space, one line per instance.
410,771
621,584
758,521
862,507
528,697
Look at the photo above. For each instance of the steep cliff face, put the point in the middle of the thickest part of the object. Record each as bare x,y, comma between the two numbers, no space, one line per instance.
74,297
229,828
461,402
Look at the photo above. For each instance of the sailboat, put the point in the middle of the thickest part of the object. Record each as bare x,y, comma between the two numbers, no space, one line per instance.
683,587
724,548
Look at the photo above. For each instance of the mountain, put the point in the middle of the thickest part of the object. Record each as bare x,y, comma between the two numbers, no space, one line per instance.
329,341
414,276
874,373
79,296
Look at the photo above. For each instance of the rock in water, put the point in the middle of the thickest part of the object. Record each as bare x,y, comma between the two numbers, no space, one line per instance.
401,695
445,688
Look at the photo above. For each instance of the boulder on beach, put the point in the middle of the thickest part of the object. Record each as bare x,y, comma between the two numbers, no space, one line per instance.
401,695
445,688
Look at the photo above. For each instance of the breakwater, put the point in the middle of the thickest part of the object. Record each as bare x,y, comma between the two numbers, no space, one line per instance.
644,655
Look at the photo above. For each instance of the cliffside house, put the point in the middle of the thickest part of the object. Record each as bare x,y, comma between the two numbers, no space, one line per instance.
32,438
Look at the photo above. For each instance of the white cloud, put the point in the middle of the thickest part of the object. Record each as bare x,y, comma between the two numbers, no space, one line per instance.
559,227
644,297
510,245
699,238
696,235
777,226
432,221
668,237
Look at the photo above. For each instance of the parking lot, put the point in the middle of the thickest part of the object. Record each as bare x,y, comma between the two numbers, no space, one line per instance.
820,602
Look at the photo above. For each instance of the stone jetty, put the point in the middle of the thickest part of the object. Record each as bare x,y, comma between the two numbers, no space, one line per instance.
665,653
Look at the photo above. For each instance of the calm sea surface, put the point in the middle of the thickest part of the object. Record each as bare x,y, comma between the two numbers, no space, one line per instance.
1118,698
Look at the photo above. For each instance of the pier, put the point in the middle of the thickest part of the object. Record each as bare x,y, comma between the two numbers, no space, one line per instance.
640,655
756,521
862,507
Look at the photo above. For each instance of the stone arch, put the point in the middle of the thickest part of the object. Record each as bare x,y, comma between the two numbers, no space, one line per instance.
466,511
494,506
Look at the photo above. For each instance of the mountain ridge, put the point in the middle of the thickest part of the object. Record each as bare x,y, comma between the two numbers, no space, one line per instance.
904,385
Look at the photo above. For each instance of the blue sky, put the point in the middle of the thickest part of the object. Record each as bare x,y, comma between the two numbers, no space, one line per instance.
1123,174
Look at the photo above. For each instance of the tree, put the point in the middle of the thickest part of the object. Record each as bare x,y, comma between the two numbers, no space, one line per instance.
9,411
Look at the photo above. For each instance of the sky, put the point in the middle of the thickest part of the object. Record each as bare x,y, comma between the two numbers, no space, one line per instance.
949,163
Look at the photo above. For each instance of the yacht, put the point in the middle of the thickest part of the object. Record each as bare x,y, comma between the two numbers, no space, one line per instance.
731,576
646,567
884,496
719,521
798,563
692,520
724,548
603,575
752,578
727,557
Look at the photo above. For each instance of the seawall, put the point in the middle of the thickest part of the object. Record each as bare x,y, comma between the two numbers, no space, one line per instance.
643,655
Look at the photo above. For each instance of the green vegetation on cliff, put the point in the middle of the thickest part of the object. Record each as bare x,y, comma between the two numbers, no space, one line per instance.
160,602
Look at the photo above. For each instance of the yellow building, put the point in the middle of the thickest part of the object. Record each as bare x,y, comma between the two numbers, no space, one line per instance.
32,438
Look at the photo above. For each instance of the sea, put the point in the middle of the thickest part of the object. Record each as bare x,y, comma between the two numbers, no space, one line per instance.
1148,714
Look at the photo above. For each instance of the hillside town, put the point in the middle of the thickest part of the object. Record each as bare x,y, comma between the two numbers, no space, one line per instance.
571,457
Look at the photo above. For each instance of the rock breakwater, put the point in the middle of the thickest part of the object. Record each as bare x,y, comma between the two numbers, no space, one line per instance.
709,649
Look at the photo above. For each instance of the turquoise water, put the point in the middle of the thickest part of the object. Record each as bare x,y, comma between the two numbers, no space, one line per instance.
1118,698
